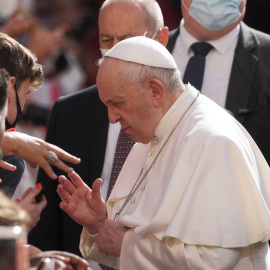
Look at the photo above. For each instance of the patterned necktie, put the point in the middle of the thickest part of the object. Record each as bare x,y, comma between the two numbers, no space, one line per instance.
123,147
195,67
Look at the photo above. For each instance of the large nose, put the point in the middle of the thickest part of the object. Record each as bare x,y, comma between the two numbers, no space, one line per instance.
114,117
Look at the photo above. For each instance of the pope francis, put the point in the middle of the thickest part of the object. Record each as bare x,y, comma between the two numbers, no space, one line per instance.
194,192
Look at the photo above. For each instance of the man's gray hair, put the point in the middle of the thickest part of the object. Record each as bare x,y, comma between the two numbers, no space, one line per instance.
154,18
133,73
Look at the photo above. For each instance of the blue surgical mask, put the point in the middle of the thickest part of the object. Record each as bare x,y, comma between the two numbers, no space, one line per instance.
214,15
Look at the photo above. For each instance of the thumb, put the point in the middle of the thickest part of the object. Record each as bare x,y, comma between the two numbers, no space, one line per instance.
96,190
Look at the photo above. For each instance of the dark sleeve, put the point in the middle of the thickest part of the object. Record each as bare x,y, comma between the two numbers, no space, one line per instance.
248,96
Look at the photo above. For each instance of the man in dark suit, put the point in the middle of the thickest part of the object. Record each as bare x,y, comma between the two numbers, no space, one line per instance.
79,122
237,67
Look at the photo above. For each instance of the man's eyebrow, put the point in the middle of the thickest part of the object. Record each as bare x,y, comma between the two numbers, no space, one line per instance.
121,36
126,35
105,35
114,100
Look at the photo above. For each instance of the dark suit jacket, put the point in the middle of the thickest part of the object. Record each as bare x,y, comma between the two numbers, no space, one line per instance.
79,125
248,96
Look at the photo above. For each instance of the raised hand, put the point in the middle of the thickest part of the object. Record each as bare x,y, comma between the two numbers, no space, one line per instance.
82,204
29,204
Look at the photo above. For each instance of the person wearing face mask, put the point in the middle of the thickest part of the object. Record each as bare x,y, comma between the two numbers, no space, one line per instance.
80,124
26,75
236,73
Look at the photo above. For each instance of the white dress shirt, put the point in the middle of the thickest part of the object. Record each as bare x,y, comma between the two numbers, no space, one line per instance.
218,62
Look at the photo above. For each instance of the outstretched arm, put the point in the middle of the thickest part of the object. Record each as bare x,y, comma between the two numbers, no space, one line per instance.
34,150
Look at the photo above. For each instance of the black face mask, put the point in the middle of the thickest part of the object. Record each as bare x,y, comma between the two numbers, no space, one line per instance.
19,112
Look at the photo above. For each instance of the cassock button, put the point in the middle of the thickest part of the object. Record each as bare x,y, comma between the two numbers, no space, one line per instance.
155,141
149,154
142,188
133,200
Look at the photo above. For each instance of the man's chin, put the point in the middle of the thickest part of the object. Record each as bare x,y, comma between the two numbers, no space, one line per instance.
139,139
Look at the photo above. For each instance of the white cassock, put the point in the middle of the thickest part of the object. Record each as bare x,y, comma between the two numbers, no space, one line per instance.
205,202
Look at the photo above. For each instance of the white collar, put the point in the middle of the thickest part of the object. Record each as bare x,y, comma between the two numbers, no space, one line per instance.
172,116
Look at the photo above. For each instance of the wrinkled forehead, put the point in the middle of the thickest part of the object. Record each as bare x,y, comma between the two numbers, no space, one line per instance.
107,70
122,19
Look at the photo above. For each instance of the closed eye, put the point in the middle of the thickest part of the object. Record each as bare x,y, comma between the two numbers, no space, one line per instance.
117,104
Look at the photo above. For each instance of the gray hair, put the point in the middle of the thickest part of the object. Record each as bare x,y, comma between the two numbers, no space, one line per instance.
154,18
133,73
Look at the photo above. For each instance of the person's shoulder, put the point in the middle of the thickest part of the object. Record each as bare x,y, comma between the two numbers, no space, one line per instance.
261,37
173,34
80,95
84,96
82,99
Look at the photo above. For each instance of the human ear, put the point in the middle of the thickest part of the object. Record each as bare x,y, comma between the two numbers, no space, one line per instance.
157,90
163,35
11,82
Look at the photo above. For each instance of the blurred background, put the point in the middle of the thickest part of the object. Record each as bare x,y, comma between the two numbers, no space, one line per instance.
64,36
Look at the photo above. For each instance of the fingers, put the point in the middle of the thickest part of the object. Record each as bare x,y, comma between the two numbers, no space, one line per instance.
30,194
64,190
78,262
76,179
34,151
42,204
67,185
96,190
44,164
64,155
7,166
61,154
25,194
62,166
63,194
72,260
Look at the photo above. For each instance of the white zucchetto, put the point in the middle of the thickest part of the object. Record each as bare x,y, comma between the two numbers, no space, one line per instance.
144,51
